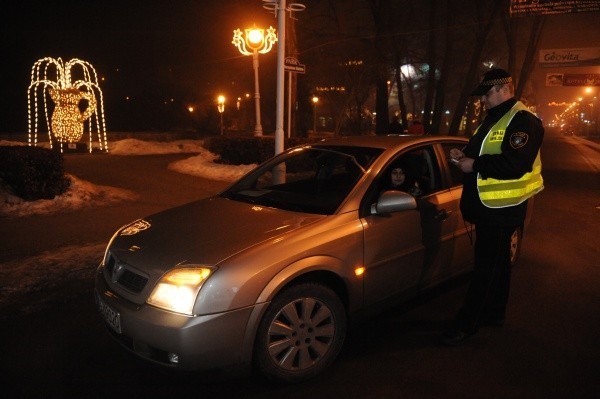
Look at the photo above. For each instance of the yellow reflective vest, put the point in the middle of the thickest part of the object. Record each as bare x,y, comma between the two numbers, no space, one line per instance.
495,193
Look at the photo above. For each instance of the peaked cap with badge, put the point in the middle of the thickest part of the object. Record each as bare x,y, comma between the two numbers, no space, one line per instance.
490,79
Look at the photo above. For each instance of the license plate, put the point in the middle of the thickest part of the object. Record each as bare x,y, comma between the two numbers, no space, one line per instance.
112,317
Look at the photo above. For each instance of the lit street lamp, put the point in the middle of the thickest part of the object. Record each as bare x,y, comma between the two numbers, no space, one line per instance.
315,100
221,109
252,42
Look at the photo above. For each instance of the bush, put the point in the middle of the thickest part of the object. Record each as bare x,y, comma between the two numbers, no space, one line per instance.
247,150
33,172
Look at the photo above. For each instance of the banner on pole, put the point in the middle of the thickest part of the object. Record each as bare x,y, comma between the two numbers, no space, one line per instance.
572,79
569,57
522,8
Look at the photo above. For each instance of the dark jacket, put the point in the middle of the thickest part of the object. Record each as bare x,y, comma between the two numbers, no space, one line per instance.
395,127
512,163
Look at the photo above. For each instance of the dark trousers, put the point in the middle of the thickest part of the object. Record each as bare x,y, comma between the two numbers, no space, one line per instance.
487,294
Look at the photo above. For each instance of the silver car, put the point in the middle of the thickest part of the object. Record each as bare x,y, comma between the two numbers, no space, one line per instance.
268,272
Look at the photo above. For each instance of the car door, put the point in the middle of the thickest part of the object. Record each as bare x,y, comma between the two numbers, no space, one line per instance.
408,250
462,253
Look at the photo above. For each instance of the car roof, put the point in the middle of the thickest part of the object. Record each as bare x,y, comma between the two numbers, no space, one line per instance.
385,142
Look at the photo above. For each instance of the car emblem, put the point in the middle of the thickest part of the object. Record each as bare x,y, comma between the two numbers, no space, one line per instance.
135,227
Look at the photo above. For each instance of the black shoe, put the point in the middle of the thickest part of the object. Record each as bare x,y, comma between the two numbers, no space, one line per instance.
491,322
456,337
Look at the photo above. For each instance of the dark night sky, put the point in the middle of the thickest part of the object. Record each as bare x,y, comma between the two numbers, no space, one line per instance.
190,39
140,38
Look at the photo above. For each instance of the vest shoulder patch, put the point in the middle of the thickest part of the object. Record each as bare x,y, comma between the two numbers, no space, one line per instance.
518,139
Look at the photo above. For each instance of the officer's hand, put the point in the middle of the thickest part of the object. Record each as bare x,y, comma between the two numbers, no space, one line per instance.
466,164
457,154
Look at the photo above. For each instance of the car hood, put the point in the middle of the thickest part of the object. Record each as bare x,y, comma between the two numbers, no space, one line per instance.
202,232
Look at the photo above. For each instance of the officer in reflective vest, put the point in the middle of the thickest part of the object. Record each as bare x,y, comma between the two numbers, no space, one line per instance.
502,170
498,193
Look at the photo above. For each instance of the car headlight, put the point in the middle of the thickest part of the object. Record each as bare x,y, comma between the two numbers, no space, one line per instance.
177,290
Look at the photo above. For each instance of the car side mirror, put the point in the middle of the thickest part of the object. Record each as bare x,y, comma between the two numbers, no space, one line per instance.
393,201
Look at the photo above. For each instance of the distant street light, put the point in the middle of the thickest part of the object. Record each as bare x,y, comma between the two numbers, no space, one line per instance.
315,100
252,42
221,109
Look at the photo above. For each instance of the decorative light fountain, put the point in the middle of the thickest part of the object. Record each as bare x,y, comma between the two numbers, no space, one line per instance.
77,103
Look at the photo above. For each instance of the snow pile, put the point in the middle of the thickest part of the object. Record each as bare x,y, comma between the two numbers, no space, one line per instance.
80,194
85,194
140,147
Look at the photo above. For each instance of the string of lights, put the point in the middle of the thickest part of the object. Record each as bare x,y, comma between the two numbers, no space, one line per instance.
51,79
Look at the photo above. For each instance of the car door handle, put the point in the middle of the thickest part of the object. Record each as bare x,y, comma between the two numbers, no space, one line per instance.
442,214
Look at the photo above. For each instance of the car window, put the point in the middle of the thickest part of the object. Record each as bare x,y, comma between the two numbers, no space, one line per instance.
419,168
308,179
421,176
456,175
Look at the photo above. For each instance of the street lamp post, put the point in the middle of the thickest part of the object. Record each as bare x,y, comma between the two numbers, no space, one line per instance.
252,42
221,109
315,100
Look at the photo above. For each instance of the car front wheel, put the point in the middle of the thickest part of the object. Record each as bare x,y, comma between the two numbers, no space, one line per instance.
301,333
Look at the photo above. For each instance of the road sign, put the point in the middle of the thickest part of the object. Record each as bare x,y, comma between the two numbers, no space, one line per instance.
291,64
572,79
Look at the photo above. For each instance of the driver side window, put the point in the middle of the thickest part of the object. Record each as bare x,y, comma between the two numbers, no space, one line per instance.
421,175
419,171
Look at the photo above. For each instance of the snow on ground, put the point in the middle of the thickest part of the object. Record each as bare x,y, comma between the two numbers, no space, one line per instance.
140,147
203,165
33,282
28,284
85,194
80,194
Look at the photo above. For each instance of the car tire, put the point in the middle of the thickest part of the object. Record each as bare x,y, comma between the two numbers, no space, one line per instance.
515,245
301,333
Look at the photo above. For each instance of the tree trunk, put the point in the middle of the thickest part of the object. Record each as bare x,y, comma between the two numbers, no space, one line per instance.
382,118
471,76
432,62
440,91
401,102
529,61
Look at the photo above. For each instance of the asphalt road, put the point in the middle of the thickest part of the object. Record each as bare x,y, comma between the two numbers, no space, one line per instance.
549,347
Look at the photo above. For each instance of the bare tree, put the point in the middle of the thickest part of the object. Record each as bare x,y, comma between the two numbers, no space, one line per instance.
516,28
440,91
443,41
431,59
380,12
485,22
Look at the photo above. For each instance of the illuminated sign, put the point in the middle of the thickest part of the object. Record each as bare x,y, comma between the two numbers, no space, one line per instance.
572,79
537,7
568,57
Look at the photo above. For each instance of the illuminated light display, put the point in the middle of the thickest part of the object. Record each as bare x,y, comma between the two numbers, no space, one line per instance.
77,103
252,42
332,88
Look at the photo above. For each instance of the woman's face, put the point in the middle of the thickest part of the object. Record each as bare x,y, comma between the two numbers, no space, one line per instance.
398,176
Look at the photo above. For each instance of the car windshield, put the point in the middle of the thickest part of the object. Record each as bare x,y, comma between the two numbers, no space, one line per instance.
311,179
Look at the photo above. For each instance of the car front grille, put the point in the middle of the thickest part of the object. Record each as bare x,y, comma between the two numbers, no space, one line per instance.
120,273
